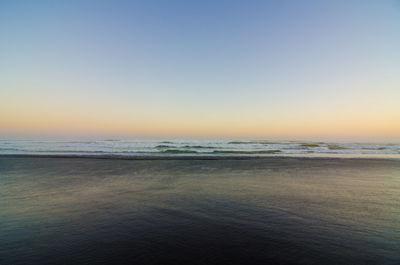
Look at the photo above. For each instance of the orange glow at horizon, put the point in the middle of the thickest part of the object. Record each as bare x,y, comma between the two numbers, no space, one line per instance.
246,70
199,126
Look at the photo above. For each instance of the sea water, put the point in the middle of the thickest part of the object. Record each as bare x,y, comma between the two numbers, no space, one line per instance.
201,147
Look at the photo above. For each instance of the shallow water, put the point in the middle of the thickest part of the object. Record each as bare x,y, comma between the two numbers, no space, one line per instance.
251,211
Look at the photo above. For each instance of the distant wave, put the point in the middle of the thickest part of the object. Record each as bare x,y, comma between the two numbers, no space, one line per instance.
374,148
246,152
199,146
196,148
165,146
253,142
186,146
309,145
179,151
336,147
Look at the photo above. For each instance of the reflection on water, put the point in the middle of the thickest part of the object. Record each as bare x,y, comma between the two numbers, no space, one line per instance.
283,211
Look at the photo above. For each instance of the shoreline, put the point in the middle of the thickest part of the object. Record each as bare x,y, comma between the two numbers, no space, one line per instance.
203,157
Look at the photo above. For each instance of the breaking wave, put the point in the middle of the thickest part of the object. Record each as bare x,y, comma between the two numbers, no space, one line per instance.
196,147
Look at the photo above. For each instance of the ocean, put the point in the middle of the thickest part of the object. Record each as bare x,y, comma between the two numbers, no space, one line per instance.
201,148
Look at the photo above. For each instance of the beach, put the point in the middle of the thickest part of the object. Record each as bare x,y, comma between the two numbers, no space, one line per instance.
199,132
268,210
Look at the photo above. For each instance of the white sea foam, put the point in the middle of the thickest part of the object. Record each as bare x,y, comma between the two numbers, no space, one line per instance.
201,147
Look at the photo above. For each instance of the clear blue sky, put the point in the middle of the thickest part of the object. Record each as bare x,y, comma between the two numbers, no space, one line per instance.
201,68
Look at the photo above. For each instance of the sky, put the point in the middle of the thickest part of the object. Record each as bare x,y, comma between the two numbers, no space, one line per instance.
200,69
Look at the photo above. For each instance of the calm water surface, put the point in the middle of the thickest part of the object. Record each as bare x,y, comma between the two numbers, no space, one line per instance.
253,211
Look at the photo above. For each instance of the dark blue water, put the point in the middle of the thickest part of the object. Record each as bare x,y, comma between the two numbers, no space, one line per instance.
254,211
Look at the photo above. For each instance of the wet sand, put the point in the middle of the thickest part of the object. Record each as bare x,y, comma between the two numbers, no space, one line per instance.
186,210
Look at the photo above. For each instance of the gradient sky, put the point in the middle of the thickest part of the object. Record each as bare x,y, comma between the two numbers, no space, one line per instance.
219,69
